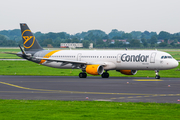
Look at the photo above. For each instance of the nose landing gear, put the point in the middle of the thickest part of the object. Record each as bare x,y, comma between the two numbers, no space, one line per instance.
157,74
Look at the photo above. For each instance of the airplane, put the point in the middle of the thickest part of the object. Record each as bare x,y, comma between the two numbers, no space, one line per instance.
95,62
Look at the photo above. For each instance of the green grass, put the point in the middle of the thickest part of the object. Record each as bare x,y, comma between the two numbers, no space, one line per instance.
9,56
30,68
175,54
9,50
86,110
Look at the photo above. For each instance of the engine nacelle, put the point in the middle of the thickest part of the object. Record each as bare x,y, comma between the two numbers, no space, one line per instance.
94,69
128,72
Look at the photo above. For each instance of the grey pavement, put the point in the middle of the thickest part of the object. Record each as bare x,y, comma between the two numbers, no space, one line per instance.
119,89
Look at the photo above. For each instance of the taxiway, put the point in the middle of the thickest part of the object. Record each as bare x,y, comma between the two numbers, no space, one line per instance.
120,89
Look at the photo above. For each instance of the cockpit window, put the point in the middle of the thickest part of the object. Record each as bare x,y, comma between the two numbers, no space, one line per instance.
166,57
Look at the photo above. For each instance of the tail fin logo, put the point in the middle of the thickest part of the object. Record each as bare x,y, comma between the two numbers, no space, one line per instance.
28,39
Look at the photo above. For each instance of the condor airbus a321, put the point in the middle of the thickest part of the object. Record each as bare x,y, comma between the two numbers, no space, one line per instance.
95,62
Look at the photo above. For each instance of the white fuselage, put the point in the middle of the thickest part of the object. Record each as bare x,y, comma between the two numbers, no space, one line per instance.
114,59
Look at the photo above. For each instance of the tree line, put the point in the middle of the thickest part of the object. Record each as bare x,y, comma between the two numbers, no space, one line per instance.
115,39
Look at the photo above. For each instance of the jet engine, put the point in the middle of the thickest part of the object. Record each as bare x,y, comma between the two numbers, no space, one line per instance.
94,69
127,72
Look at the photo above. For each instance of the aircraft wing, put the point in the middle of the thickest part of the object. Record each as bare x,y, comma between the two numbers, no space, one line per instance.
63,60
9,53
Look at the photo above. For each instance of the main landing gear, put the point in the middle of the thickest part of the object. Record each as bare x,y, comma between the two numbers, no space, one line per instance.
157,74
82,75
105,75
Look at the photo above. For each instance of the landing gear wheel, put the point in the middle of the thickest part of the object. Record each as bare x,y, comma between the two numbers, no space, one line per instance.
105,75
157,74
157,77
82,75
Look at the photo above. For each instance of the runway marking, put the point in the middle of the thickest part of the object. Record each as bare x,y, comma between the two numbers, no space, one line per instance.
138,96
25,92
132,95
102,100
163,95
156,95
77,92
147,80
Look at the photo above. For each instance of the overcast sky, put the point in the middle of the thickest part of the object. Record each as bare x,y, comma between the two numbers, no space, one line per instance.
73,16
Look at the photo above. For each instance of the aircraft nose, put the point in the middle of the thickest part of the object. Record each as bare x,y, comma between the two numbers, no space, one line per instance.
172,64
177,63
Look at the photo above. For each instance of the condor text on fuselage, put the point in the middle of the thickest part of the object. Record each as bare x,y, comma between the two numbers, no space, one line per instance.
134,58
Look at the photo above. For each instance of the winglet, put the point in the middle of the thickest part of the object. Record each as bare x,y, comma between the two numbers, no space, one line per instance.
23,52
24,55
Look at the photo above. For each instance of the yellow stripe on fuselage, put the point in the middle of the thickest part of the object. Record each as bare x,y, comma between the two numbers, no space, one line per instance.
48,55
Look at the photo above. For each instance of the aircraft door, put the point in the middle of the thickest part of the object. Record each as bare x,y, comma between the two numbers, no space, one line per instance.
79,57
118,58
152,59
